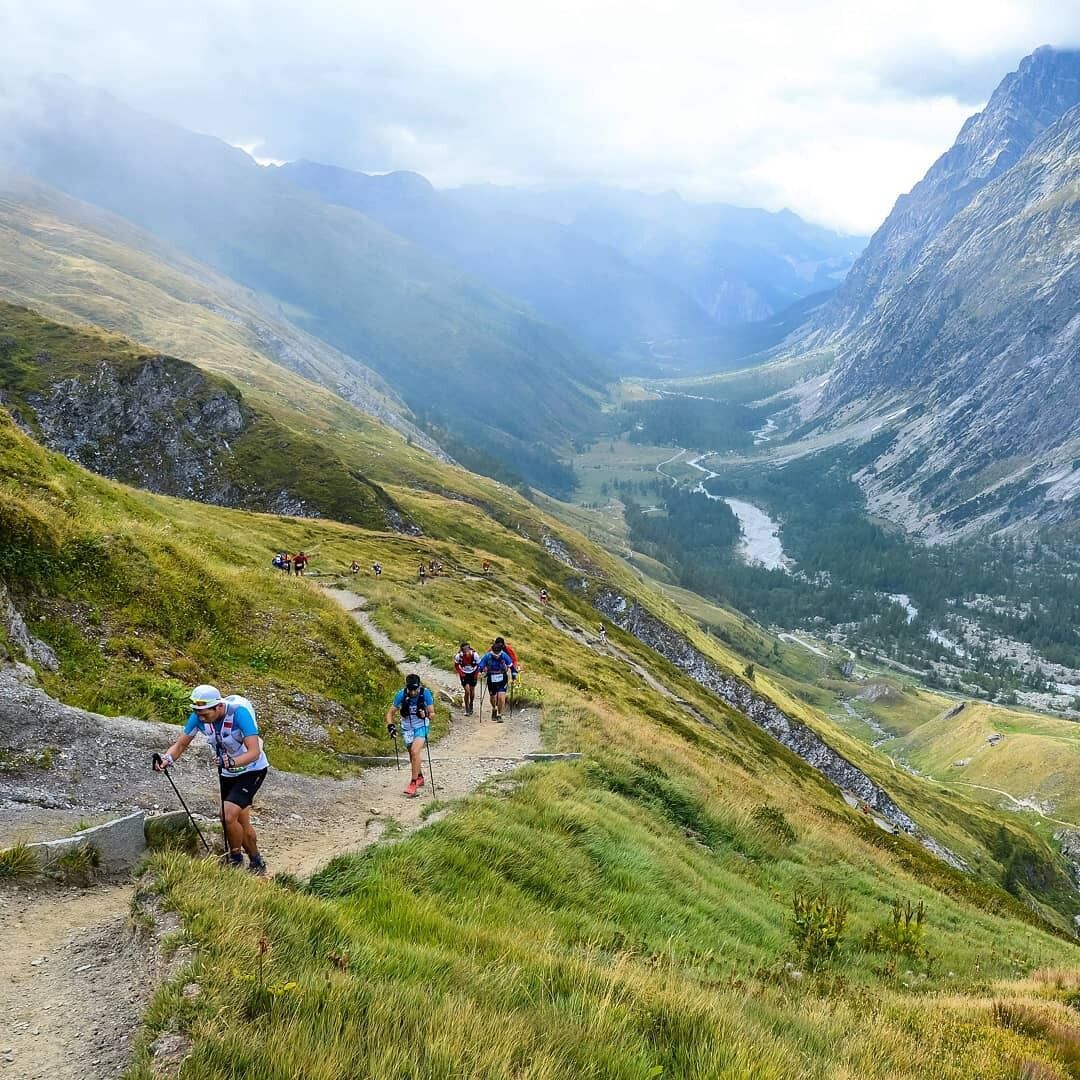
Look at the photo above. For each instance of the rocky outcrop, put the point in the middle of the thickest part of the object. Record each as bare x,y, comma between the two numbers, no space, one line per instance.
630,616
558,550
25,646
159,424
167,426
62,758
1069,840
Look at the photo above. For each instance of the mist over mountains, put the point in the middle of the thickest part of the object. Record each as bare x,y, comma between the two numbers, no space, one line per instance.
647,278
497,316
428,329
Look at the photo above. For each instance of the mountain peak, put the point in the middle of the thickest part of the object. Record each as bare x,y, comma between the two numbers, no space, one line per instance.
1045,85
965,302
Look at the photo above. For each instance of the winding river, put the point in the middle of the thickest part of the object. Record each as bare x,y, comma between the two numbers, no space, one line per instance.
760,542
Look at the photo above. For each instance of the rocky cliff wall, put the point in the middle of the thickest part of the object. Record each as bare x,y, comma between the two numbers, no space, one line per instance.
630,616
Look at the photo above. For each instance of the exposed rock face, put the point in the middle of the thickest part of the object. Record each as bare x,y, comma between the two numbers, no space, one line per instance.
97,763
1069,839
1028,101
167,426
14,627
963,310
558,550
630,616
158,425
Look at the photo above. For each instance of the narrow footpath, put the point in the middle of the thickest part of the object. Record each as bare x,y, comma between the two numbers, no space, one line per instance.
74,980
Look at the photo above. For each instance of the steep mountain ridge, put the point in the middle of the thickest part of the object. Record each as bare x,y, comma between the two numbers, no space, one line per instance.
1044,86
961,321
77,263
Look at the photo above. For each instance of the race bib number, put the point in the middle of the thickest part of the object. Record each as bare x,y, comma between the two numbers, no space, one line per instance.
497,678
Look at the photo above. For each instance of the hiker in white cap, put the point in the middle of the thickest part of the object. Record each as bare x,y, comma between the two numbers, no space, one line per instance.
229,726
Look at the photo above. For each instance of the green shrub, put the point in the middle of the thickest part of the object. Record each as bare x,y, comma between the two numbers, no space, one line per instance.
526,697
79,865
18,862
902,932
772,820
818,925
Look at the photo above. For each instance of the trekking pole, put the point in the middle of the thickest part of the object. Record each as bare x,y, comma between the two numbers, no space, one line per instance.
427,744
221,794
510,702
165,769
397,759
480,711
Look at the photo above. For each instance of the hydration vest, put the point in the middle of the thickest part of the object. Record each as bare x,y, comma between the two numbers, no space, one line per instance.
410,709
467,666
497,667
229,741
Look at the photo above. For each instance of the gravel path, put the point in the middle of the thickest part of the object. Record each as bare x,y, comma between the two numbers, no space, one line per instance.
74,979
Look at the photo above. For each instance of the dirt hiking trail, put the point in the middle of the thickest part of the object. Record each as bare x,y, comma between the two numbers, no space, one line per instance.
74,980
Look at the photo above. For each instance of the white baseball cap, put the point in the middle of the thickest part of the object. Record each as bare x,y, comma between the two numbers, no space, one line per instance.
205,697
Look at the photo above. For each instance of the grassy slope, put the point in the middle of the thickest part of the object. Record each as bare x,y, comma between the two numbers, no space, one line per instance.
607,919
753,383
142,595
1037,759
1037,763
628,918
78,264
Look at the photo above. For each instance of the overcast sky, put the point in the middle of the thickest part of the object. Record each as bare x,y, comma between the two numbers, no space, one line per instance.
831,107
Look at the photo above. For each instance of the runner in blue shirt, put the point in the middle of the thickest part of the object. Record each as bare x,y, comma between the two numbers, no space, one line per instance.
414,709
500,669
228,723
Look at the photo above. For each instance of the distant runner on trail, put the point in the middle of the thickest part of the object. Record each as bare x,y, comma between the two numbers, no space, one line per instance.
300,561
500,669
376,569
603,634
423,573
544,597
355,567
487,566
465,664
229,726
414,708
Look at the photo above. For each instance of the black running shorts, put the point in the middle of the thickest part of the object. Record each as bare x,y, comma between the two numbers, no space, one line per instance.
241,789
469,680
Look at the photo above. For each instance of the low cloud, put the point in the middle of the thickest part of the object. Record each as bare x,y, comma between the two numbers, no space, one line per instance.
832,109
